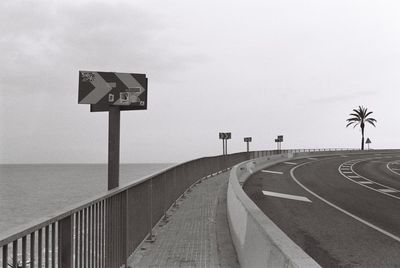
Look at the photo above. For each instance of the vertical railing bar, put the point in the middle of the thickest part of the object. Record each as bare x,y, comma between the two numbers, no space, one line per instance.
53,245
124,226
24,252
93,235
5,256
121,229
100,232
103,249
80,237
89,223
118,229
96,235
76,239
111,243
40,236
15,253
115,231
84,236
32,255
106,231
107,226
46,247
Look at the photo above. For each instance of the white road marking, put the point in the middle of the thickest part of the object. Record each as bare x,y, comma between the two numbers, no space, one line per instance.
287,196
290,163
365,184
348,172
388,190
393,170
340,209
355,176
273,172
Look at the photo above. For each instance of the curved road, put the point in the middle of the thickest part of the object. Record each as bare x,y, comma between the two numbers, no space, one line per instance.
344,211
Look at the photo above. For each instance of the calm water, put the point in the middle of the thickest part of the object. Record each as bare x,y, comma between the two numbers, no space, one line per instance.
29,192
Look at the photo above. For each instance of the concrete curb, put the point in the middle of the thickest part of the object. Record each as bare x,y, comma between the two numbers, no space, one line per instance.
257,240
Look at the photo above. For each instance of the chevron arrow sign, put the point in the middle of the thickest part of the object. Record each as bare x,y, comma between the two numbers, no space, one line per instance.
225,135
102,90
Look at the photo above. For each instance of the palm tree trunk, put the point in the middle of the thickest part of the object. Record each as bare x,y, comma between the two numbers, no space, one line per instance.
362,139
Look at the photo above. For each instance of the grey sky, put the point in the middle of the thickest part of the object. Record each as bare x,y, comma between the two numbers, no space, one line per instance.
255,68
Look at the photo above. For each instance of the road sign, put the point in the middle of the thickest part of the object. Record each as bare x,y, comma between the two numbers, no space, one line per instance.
113,92
103,90
368,141
280,138
247,139
225,135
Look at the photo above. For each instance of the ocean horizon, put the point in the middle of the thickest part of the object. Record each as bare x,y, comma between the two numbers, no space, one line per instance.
29,192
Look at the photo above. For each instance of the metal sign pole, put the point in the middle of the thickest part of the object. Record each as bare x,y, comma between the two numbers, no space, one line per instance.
226,146
114,118
247,146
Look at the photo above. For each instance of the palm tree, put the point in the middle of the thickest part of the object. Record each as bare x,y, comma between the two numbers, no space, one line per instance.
360,117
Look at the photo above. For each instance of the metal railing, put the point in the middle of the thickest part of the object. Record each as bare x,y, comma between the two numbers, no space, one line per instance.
104,231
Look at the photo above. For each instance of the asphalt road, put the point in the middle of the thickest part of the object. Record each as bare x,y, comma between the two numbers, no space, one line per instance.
344,211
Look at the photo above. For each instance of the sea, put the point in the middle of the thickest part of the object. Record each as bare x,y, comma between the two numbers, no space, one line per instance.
29,192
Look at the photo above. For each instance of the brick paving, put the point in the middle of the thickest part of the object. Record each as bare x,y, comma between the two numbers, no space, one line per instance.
195,233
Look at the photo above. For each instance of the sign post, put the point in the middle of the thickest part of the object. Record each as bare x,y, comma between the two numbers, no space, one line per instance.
114,119
368,141
278,141
248,140
112,92
225,136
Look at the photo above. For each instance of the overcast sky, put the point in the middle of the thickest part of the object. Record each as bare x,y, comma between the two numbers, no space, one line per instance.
253,68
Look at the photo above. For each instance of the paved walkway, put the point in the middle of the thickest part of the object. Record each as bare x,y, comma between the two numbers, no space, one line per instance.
196,232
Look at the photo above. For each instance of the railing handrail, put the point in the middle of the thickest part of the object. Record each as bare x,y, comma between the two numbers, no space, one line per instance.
23,230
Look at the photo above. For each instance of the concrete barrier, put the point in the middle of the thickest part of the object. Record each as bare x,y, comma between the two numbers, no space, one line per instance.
257,240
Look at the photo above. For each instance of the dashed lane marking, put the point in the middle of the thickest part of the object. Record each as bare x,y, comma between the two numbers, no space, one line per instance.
370,184
273,172
290,163
341,209
388,190
287,196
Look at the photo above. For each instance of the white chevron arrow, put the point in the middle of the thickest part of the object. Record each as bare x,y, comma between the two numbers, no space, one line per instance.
101,88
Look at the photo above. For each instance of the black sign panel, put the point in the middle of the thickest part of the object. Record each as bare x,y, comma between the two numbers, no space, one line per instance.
247,139
224,135
101,90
